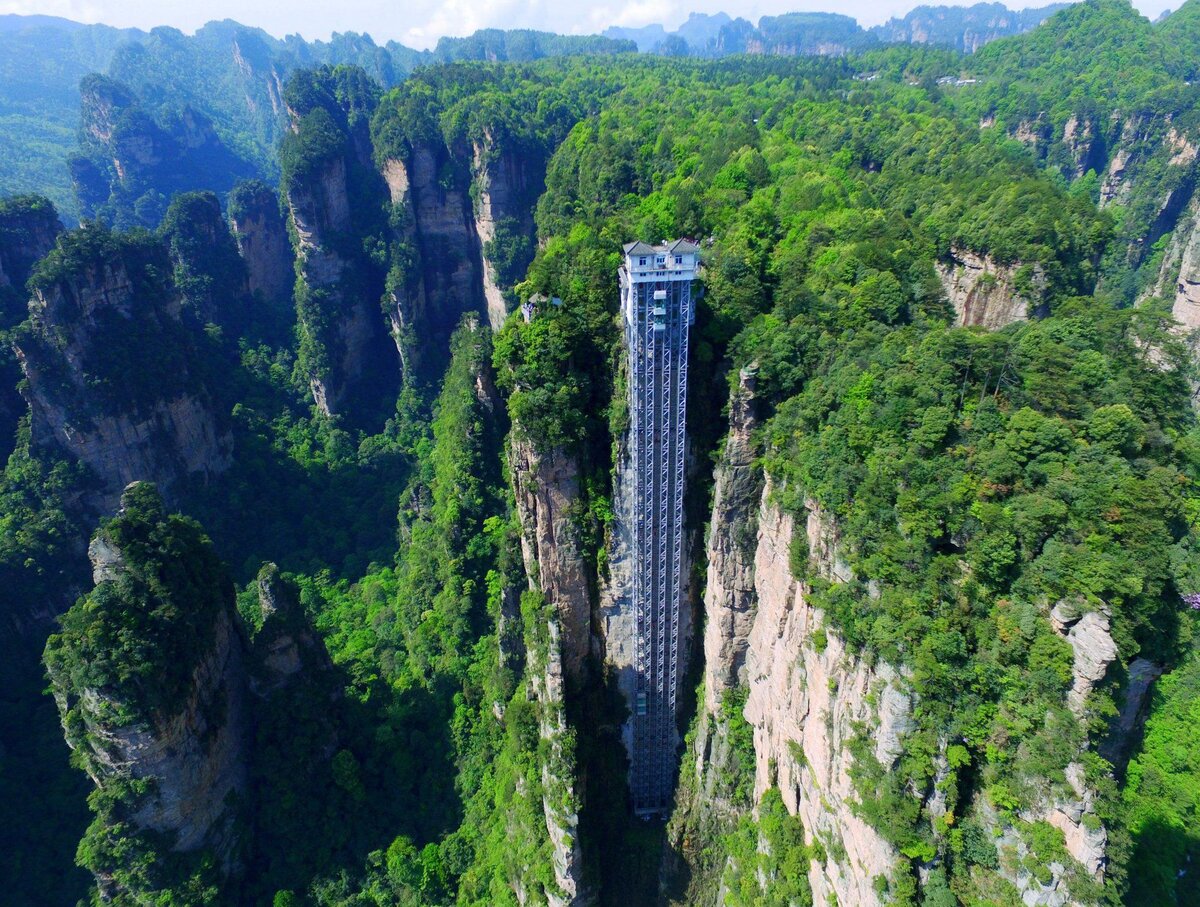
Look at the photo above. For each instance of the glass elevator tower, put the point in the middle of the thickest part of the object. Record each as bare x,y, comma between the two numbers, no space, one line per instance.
656,302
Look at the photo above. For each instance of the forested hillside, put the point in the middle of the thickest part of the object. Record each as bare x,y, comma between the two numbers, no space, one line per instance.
321,537
233,76
226,73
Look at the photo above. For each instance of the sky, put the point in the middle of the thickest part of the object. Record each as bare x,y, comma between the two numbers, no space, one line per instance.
419,23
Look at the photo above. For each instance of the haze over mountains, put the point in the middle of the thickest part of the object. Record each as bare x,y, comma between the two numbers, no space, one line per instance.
964,28
239,72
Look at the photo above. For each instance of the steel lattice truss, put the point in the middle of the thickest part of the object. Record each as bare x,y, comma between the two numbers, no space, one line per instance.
658,313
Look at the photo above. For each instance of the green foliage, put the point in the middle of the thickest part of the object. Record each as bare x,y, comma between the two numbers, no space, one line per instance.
169,588
127,654
1162,792
769,860
977,479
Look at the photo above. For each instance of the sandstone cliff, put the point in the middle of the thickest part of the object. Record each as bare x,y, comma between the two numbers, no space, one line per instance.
1178,277
114,379
158,720
508,183
262,241
286,649
344,341
28,228
130,162
559,801
987,294
546,488
547,491
815,708
210,276
730,597
442,276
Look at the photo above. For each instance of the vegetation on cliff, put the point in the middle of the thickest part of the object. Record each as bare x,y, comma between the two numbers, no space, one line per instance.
979,481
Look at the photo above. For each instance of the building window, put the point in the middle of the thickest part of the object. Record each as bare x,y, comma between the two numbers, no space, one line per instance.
678,259
661,259
642,260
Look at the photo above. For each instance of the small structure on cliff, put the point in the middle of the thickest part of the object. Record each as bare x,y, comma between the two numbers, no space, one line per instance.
656,304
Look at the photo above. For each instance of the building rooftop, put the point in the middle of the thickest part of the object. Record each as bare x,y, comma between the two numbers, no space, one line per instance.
665,248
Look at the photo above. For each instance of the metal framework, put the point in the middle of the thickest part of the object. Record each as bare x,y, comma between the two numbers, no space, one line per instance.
656,296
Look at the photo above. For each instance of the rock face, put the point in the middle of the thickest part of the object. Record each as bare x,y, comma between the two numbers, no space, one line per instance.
508,184
96,324
547,488
130,163
1125,734
562,818
730,598
454,240
805,693
805,698
262,241
28,228
338,305
434,217
209,273
1070,808
964,28
286,649
195,762
448,239
986,294
1093,645
1084,142
185,736
1179,274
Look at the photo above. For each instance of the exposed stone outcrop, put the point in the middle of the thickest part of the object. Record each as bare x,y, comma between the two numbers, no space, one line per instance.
1084,144
406,302
449,243
196,757
508,185
262,241
987,294
807,694
730,598
211,277
188,742
434,218
562,818
1126,731
1152,166
1071,812
1178,276
1070,808
339,309
152,418
547,491
28,228
1093,645
1114,186
132,162
286,648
